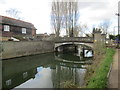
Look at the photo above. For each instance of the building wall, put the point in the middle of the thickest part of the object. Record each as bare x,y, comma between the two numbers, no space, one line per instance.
17,49
15,30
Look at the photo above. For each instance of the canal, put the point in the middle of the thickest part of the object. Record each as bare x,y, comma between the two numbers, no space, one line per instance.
50,70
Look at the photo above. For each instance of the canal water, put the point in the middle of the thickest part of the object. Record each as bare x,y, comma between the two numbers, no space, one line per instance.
50,70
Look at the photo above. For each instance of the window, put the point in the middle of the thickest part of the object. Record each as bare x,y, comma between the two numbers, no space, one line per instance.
24,30
25,74
8,82
6,28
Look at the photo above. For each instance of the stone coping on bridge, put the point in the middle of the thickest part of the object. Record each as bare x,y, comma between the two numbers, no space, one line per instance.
74,39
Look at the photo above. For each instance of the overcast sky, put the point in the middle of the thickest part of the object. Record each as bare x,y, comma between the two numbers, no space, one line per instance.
92,12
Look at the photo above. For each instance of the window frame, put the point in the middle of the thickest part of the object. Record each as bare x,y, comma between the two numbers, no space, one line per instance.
6,28
24,31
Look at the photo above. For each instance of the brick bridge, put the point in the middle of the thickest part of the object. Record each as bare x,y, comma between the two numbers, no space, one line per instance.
89,42
86,41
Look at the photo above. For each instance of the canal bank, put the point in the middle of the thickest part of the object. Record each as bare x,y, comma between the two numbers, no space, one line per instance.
24,48
98,78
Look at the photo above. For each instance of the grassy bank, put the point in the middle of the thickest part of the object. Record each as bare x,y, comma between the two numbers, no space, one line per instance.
99,77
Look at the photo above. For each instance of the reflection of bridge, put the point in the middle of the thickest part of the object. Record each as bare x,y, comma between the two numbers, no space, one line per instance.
73,62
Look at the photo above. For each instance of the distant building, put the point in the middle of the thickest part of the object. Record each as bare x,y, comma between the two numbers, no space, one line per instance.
52,34
42,36
10,27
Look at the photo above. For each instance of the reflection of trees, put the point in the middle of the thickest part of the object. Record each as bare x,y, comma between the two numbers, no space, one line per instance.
62,75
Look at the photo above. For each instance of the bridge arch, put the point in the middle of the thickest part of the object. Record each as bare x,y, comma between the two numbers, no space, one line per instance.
89,45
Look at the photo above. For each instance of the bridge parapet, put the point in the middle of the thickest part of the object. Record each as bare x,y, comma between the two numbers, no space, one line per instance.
75,39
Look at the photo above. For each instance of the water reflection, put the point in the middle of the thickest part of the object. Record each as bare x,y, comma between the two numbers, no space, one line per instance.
44,71
42,79
63,74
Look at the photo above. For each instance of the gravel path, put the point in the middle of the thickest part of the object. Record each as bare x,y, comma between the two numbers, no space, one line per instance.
113,77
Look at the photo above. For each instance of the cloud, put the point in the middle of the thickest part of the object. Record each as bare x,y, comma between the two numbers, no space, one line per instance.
96,10
93,13
37,12
2,1
93,5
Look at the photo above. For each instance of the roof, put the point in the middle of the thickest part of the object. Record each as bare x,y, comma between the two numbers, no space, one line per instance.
15,22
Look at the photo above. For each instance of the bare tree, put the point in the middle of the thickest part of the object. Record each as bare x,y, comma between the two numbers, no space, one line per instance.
13,12
64,15
56,16
66,18
82,28
72,17
77,31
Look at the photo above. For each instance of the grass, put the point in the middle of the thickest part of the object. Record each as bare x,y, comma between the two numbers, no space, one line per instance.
99,77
